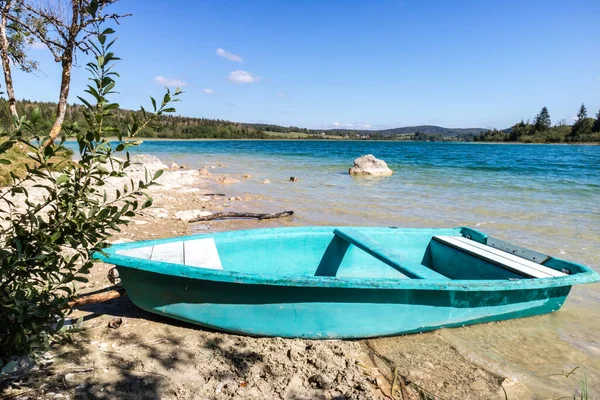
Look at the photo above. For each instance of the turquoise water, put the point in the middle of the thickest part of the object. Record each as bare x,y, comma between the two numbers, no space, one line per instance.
546,197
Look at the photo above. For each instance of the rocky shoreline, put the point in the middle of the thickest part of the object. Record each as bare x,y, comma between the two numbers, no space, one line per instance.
149,357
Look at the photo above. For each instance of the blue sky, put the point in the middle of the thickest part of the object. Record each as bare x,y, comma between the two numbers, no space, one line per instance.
354,64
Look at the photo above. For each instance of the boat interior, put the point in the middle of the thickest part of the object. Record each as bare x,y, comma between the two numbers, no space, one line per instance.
353,252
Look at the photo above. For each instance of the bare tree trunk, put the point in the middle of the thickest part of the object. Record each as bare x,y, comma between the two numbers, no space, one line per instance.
65,84
10,92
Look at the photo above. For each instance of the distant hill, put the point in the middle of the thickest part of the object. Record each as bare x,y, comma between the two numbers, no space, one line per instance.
406,130
411,130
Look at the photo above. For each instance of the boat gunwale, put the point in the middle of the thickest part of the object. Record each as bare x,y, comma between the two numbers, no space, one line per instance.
178,270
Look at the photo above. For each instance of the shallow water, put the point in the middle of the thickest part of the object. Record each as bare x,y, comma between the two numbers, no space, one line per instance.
545,197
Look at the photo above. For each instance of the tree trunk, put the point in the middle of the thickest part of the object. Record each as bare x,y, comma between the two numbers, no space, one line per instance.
10,92
65,84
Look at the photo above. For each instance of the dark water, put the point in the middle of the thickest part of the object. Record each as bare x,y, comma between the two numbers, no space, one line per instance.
546,197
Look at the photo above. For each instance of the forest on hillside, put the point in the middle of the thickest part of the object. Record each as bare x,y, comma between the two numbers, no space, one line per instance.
541,130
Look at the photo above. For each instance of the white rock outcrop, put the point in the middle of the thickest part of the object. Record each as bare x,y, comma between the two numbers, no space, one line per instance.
191,214
370,165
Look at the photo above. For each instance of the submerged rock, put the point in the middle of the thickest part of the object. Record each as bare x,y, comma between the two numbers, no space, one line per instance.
370,165
204,172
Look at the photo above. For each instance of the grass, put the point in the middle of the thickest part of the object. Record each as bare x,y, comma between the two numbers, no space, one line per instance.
298,135
19,162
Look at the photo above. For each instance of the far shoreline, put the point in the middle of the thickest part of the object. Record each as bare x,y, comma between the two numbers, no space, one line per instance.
143,139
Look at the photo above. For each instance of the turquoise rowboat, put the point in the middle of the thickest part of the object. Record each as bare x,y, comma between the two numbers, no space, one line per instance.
342,282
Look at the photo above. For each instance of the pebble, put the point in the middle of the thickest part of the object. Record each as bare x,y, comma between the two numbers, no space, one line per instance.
478,385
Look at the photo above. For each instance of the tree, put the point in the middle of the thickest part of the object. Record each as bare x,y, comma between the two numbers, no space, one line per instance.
596,127
63,32
13,40
542,120
519,130
48,243
582,126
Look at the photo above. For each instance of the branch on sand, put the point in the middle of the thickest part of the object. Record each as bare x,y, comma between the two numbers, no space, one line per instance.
223,215
99,296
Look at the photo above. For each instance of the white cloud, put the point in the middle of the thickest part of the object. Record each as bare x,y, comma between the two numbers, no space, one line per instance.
230,56
37,45
336,124
239,76
282,95
170,82
208,91
367,126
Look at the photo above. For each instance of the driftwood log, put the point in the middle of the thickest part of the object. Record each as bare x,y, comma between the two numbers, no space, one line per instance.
223,215
99,296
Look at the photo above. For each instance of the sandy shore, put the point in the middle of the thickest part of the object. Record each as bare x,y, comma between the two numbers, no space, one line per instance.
150,357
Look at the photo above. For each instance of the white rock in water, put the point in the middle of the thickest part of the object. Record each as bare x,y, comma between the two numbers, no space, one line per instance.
191,214
369,165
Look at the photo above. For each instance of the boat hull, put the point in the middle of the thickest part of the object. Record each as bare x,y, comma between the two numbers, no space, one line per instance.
324,312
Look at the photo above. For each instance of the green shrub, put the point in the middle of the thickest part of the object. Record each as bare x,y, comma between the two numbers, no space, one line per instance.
47,245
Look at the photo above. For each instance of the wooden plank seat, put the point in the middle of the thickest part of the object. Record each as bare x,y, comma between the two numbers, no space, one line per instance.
200,253
508,261
389,256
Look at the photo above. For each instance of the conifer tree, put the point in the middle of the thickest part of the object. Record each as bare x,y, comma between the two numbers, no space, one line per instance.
596,127
582,125
542,120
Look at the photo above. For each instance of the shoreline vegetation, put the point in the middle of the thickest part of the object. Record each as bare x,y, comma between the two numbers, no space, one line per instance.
585,130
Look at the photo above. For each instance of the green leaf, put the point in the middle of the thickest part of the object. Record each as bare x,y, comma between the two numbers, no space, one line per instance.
36,114
4,161
62,178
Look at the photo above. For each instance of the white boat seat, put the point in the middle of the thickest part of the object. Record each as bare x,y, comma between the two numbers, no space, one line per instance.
498,257
201,253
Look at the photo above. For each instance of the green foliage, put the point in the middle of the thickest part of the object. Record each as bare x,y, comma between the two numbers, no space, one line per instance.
542,120
582,126
596,126
583,130
47,243
164,127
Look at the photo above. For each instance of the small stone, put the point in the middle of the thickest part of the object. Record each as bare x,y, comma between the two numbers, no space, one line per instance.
204,172
266,181
224,180
478,385
246,176
174,166
59,396
294,179
430,366
318,381
417,375
157,212
69,378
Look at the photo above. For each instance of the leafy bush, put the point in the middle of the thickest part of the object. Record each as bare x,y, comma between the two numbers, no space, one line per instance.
47,244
